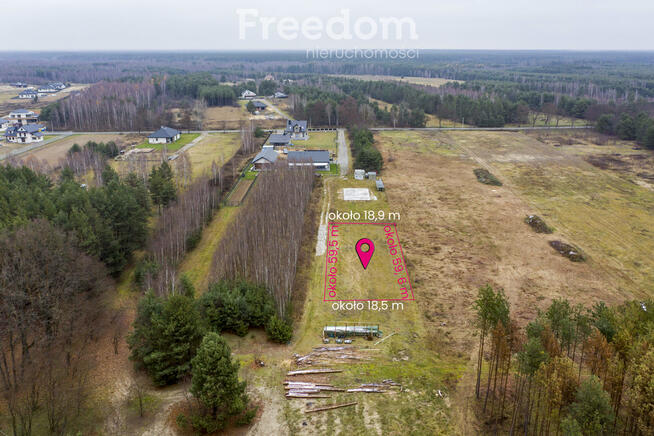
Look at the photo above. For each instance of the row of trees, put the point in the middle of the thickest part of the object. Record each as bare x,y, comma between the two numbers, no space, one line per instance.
264,243
108,106
366,156
573,370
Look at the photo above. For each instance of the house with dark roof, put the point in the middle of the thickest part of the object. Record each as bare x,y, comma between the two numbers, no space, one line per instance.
23,116
164,135
26,134
319,159
259,105
46,89
297,129
266,157
277,140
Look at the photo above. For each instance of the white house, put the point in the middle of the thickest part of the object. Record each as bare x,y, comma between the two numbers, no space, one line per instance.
279,94
47,89
297,129
23,116
318,158
164,135
248,95
58,86
28,93
25,134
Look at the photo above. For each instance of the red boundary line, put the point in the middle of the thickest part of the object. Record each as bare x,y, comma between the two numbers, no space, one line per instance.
329,225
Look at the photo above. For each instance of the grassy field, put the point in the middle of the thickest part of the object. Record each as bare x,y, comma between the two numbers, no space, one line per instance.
318,141
215,147
185,139
426,81
225,117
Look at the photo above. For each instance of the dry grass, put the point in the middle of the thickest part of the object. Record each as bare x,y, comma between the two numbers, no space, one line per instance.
225,117
318,141
215,147
51,153
426,81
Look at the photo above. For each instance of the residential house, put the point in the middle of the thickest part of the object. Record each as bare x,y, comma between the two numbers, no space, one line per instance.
248,95
297,129
46,89
164,135
266,157
280,95
19,85
57,85
4,124
269,77
318,158
277,140
259,105
28,93
23,116
26,134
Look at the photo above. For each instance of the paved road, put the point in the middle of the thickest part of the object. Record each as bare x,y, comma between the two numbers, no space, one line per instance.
343,155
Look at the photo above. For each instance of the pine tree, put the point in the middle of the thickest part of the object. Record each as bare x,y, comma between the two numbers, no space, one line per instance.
215,383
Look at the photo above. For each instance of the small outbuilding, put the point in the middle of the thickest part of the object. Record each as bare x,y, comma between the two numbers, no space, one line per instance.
259,105
164,135
265,158
379,184
359,174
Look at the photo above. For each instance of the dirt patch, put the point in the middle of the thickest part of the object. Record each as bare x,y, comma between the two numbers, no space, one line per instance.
538,224
567,250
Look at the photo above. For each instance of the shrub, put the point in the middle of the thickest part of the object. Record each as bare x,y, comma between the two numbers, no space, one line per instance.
570,251
484,176
165,337
537,223
247,417
279,330
193,239
259,132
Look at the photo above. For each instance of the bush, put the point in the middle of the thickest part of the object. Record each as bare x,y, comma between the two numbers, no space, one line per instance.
259,132
235,306
279,330
193,239
165,337
484,176
247,417
537,223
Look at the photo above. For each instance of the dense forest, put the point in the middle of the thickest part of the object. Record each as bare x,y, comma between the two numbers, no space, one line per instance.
574,370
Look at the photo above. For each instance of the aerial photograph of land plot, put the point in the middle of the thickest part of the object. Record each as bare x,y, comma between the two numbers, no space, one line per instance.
342,218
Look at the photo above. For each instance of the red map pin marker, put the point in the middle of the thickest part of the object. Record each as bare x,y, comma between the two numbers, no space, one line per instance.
365,255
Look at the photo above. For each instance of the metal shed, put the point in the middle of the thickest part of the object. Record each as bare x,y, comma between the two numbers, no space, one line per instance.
380,185
349,330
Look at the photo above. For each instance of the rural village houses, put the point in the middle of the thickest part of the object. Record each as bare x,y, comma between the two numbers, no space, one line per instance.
23,116
265,158
248,95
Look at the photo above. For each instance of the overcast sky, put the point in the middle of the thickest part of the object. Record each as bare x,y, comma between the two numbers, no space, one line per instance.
438,24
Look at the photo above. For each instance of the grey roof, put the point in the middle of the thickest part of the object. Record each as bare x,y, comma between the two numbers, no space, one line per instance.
164,132
33,129
259,104
379,184
290,125
266,154
22,111
276,138
316,156
280,95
